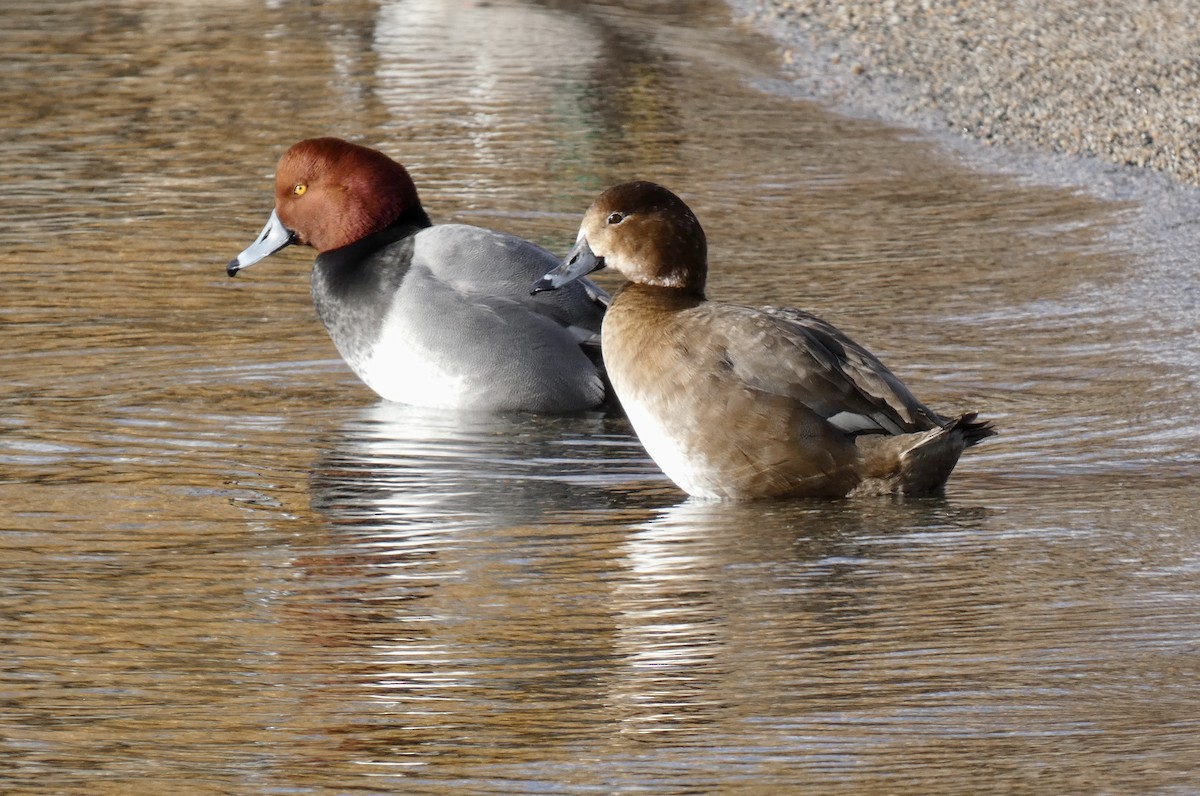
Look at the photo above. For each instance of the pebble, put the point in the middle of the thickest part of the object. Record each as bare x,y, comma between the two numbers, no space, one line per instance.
1113,79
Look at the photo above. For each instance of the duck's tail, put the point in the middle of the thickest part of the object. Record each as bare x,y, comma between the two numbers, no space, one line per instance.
974,431
917,463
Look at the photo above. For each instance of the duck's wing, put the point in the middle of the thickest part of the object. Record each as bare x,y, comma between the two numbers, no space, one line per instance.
497,269
786,351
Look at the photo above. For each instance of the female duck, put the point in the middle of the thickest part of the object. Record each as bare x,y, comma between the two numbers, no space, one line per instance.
735,402
430,315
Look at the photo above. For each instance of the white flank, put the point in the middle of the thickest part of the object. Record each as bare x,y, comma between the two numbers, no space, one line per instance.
400,371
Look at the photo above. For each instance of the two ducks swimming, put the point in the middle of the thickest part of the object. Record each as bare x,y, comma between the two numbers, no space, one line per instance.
732,402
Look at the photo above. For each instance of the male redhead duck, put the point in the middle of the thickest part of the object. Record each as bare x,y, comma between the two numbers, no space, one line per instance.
736,402
430,315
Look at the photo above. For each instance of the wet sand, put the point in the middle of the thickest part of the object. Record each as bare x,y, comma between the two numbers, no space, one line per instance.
1116,79
1101,96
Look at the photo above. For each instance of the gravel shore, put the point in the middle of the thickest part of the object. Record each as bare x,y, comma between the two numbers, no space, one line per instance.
1114,79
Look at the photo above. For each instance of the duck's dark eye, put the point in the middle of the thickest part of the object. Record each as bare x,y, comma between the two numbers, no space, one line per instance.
616,218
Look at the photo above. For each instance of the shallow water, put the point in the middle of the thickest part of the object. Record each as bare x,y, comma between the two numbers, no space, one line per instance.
228,568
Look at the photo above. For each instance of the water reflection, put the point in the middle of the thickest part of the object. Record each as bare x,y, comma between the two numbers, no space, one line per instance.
226,564
394,467
466,83
503,70
720,598
670,628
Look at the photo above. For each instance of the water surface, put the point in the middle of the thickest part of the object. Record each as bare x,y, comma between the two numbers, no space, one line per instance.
228,568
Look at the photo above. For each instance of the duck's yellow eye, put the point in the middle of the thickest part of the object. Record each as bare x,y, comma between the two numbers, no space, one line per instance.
299,189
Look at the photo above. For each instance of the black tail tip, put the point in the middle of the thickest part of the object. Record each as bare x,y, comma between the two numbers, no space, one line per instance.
973,430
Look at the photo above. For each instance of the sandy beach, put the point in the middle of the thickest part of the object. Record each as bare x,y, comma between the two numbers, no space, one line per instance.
1118,80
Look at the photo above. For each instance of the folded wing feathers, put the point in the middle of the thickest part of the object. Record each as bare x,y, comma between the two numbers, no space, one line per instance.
826,370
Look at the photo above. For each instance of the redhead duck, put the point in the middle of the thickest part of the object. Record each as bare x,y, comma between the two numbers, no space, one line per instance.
432,315
736,402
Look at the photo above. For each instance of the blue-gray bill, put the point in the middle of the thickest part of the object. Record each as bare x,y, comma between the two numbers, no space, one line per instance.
580,261
273,237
